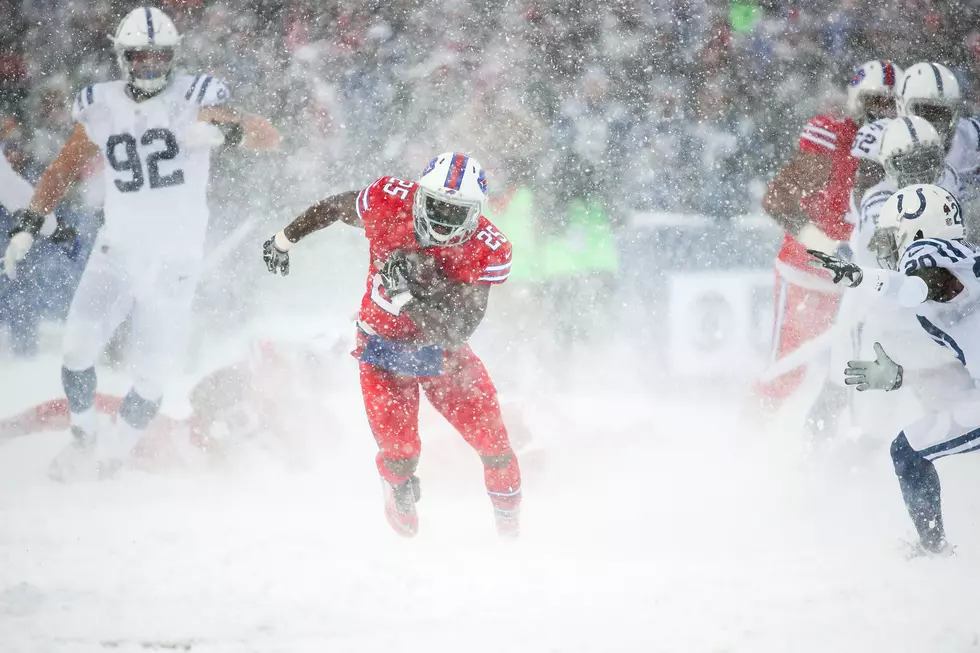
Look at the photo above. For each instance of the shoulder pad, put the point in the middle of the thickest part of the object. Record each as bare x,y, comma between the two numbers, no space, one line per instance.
951,181
934,253
819,131
975,123
877,194
84,100
205,90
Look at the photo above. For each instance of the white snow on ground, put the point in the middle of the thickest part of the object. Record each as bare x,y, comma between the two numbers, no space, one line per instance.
653,526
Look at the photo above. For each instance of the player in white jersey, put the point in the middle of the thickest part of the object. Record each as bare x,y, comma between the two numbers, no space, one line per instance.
931,91
871,96
154,130
933,276
911,152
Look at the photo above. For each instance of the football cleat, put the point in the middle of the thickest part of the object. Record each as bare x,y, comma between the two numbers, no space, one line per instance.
508,521
76,461
923,549
400,503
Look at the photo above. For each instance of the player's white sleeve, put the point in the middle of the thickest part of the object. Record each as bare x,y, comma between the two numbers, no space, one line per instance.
893,286
207,91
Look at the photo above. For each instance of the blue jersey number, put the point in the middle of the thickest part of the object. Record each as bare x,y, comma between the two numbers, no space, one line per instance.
130,161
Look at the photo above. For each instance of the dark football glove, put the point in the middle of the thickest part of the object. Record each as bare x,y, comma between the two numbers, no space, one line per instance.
233,132
27,220
849,273
396,274
276,260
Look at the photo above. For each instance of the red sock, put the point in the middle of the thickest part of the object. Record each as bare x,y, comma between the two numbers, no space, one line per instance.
504,484
386,473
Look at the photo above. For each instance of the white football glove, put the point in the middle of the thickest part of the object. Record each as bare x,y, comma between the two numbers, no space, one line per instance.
20,244
880,374
202,135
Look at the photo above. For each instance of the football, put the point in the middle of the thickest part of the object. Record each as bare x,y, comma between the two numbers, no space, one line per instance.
425,279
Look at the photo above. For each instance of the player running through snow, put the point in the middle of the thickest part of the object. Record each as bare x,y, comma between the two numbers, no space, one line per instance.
154,130
434,257
809,198
932,275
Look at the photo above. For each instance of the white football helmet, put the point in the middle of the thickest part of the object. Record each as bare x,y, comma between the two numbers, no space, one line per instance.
931,91
914,212
872,88
911,151
145,43
451,196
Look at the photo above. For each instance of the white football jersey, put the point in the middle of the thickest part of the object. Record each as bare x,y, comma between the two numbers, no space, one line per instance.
867,141
872,201
155,181
954,325
964,151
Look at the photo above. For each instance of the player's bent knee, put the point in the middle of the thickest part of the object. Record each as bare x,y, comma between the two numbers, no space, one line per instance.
151,390
904,457
79,388
137,411
80,351
402,466
497,462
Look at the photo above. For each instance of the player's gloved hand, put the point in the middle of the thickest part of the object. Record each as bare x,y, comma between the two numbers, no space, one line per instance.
27,225
233,132
849,273
844,252
275,253
395,274
64,234
880,374
20,243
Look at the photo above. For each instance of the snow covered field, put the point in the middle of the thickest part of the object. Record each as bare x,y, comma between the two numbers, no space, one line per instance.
652,526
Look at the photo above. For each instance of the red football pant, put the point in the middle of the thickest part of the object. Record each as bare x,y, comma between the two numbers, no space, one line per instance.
801,315
465,396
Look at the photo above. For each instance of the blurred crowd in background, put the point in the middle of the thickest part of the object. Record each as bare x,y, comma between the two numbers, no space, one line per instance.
582,112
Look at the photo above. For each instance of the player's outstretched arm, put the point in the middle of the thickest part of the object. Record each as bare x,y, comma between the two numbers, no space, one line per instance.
240,128
340,207
64,170
908,290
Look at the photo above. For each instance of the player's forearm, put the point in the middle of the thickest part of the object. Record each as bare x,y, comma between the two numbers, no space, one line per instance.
323,214
50,189
63,171
260,134
257,133
900,289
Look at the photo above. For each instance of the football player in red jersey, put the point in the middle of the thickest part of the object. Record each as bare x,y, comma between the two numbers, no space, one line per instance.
809,198
434,257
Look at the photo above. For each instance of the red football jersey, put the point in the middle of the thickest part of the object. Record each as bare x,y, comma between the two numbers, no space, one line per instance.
825,135
385,208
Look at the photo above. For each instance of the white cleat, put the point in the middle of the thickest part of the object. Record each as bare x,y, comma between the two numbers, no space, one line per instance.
76,462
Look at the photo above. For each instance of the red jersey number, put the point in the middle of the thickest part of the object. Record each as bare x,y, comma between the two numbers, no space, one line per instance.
398,187
493,239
